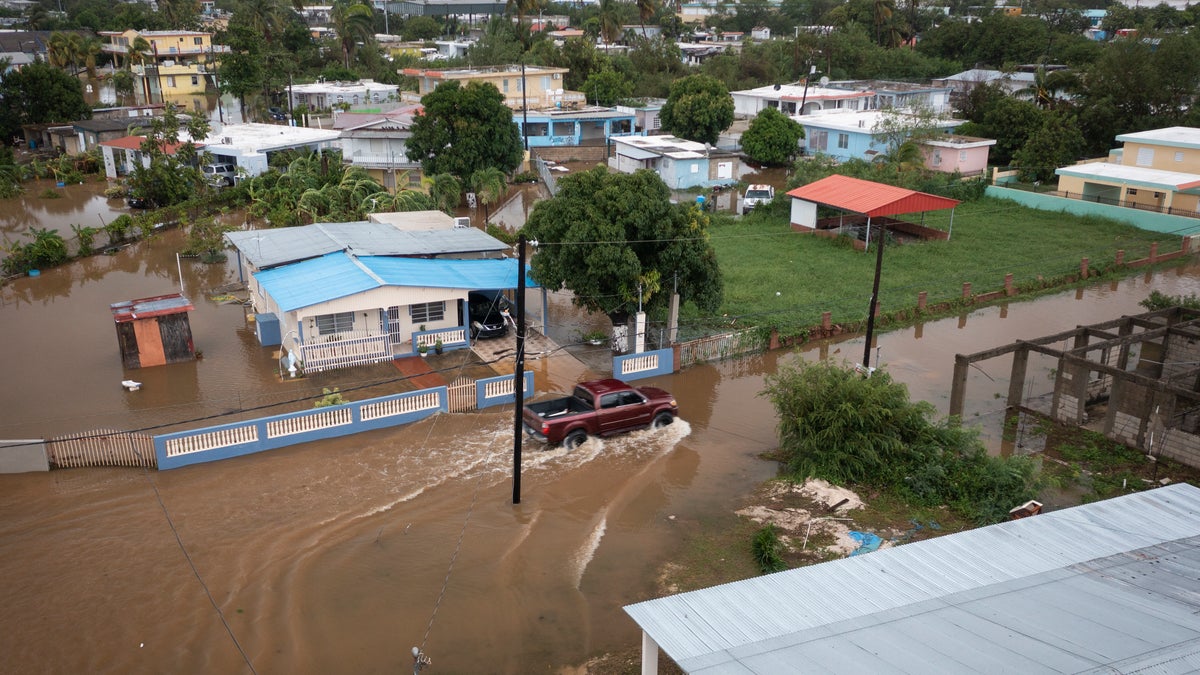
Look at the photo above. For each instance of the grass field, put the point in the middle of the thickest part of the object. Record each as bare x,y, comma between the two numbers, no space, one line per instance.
778,278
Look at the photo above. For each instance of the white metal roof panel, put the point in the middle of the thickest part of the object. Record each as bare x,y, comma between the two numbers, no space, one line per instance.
1179,137
1111,582
1136,176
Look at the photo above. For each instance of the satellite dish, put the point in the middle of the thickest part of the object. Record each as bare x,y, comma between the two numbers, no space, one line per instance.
824,80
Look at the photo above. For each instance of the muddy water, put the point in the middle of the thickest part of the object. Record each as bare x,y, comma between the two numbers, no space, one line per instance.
340,556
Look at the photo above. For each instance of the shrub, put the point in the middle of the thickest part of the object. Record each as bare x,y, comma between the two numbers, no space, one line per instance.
767,548
838,425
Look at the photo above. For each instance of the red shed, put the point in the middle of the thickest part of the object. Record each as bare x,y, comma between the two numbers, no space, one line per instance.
154,331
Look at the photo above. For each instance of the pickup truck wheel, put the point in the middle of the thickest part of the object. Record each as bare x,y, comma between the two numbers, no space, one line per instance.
574,439
661,420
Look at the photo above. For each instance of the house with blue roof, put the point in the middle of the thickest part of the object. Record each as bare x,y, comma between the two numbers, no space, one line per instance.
335,295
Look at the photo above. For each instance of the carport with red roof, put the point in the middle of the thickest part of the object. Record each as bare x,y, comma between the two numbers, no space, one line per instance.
868,200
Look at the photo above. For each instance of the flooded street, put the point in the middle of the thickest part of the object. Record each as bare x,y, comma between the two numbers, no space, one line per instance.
342,555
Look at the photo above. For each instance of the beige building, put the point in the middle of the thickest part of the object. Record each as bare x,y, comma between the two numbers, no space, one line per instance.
540,88
1158,170
177,63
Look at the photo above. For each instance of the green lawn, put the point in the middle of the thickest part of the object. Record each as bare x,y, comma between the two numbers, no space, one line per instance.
776,277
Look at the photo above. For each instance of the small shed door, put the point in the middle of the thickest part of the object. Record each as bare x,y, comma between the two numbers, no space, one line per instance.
724,170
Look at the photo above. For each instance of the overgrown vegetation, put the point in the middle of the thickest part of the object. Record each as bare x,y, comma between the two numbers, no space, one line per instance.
842,427
767,550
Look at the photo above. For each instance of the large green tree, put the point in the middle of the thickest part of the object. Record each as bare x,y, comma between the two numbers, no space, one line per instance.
773,138
171,176
464,129
699,108
39,93
610,237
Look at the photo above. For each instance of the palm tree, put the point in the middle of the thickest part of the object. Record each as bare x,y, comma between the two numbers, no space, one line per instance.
266,17
1046,85
883,17
906,156
489,186
610,22
136,52
445,189
646,10
90,51
351,20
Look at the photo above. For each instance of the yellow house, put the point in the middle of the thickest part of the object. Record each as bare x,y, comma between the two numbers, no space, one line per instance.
540,88
1158,170
175,62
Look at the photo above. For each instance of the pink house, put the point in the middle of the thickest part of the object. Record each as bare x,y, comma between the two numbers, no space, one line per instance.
949,153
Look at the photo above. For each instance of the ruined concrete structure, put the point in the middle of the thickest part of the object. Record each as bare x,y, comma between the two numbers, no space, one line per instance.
1136,379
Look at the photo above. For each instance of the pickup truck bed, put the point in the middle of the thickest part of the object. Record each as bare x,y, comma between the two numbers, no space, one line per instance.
598,408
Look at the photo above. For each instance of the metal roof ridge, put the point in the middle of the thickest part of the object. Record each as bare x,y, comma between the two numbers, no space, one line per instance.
366,270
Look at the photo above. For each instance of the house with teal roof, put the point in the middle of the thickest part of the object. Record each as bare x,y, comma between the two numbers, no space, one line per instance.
334,295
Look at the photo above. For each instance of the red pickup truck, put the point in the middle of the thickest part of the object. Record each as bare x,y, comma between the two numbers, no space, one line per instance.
598,408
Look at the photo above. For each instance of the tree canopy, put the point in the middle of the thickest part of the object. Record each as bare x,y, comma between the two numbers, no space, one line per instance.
773,138
605,235
465,129
698,108
39,93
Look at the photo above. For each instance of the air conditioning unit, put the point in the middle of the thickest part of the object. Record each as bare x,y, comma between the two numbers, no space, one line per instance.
227,140
462,221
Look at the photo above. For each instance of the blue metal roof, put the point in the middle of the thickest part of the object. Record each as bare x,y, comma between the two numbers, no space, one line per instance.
339,275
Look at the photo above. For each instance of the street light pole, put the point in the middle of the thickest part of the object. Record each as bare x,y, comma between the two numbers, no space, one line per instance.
519,371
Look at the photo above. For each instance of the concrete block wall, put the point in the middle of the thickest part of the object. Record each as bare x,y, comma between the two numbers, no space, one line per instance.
1179,446
1068,409
1182,354
573,153
1126,429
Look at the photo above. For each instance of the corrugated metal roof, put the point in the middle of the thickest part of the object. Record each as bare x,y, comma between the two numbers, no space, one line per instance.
270,248
144,308
1108,586
870,199
339,275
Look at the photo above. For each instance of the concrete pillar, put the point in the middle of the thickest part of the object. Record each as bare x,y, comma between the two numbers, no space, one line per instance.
966,293
922,297
1016,379
1120,257
673,320
1083,268
826,321
639,332
1009,290
958,388
1153,253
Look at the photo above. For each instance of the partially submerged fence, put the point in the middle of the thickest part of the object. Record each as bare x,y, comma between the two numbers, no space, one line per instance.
102,447
716,347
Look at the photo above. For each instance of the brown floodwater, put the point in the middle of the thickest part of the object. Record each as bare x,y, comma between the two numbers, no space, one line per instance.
342,555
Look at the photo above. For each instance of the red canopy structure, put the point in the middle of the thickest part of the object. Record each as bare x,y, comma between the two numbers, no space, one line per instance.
867,198
873,200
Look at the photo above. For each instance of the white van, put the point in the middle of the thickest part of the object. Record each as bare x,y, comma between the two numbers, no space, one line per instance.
219,174
756,194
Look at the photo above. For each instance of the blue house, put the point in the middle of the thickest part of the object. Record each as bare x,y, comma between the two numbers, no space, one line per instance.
853,135
556,127
680,163
343,294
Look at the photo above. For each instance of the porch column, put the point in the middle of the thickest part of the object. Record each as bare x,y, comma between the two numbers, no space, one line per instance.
649,655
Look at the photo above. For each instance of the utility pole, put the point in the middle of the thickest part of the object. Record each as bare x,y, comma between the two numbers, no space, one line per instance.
874,294
519,371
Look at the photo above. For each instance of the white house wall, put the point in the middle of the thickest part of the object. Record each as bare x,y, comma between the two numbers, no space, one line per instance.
804,213
375,301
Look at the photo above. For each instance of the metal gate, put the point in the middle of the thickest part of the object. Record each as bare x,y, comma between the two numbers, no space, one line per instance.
462,395
102,447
